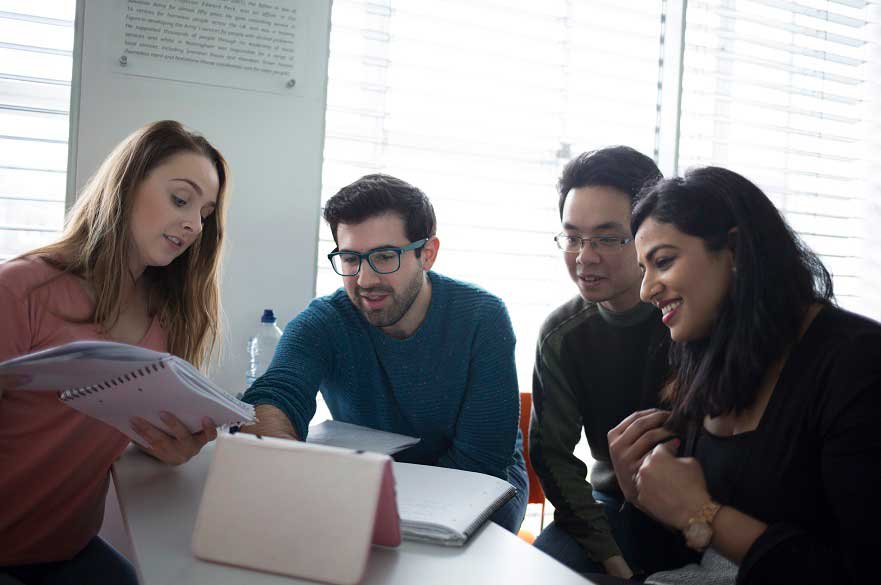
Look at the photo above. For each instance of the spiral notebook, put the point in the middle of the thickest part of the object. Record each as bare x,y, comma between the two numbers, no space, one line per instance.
446,506
114,382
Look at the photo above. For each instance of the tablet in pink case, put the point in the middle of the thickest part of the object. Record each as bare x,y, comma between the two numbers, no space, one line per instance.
295,509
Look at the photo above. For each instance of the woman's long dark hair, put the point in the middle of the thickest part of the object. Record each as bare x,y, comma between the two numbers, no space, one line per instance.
777,278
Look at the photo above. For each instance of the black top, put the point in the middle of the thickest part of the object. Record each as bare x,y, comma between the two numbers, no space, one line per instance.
722,459
811,470
593,368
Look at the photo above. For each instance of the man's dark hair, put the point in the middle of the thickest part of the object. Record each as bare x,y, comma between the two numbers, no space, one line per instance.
620,167
374,195
777,279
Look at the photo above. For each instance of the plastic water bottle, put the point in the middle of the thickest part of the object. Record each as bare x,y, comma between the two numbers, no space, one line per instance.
261,347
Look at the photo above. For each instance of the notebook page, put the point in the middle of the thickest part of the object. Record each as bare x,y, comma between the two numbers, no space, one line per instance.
90,349
198,383
76,365
147,395
348,436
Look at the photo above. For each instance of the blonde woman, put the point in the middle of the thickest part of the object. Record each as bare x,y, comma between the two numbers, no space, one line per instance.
137,263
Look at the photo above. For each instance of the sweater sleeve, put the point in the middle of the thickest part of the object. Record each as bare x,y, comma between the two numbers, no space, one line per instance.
486,427
851,474
303,358
553,434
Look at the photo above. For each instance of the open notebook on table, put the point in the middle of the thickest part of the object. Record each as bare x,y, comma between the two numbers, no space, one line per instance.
114,382
446,506
436,504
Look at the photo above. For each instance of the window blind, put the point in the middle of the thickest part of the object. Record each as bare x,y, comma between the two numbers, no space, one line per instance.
36,43
480,103
780,92
870,299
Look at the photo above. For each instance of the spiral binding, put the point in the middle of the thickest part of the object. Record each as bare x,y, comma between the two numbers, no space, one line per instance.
490,510
74,393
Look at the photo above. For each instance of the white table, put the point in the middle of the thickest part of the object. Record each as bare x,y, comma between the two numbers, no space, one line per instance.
159,505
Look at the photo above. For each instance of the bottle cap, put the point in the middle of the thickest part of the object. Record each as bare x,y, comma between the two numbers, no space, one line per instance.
268,316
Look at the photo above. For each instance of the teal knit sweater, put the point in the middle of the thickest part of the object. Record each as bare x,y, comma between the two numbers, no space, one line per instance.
452,383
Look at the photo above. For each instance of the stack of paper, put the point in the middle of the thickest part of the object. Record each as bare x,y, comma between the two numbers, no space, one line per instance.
446,506
348,436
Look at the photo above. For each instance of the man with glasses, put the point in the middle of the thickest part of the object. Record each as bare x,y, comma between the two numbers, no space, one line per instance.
600,357
400,348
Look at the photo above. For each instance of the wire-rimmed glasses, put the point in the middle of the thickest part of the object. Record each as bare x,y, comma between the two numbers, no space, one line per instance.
574,244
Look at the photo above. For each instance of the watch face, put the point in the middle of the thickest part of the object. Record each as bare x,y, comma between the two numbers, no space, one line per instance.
698,535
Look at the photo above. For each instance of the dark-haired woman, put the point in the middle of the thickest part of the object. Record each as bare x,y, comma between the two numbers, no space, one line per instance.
776,393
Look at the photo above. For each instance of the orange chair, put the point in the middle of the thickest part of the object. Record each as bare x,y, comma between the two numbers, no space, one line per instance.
536,494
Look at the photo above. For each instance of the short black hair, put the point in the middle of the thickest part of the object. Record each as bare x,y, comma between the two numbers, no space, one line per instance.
377,194
777,279
620,167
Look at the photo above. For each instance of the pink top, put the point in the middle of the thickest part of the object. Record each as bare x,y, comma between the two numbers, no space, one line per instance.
54,461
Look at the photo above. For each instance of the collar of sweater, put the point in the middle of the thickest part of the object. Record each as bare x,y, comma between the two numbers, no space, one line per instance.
641,312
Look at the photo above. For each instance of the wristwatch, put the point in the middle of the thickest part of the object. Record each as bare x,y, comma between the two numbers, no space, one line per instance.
699,530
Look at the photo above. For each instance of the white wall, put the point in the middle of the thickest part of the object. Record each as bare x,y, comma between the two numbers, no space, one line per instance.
272,142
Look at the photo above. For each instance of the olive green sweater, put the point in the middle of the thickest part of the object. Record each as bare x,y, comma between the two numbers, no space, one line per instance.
593,368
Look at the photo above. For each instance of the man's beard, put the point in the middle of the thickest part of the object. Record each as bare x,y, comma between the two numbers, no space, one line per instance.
398,305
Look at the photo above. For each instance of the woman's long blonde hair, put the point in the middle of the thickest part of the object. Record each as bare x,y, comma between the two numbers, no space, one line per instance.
96,242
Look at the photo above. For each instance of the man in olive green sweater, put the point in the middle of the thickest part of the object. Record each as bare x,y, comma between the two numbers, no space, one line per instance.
600,357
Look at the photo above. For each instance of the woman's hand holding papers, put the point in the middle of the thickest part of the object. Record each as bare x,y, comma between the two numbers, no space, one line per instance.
179,446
